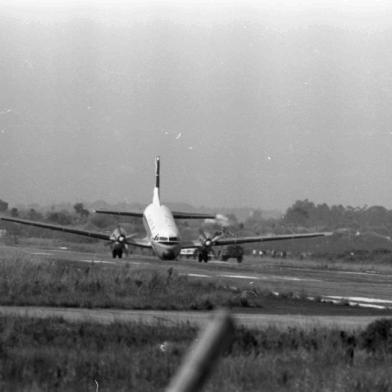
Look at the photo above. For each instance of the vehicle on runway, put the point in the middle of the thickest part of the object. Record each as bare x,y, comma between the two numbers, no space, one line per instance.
188,253
232,252
163,236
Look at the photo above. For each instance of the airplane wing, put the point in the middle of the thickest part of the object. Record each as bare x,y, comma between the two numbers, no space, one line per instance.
176,214
91,234
280,237
121,213
191,215
247,240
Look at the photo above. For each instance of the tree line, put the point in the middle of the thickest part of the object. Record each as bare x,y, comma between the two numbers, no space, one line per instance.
303,214
307,214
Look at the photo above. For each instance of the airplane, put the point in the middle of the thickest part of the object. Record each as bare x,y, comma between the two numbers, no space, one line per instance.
163,236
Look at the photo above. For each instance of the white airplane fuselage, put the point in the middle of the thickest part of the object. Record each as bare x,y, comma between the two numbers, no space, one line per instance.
162,231
160,225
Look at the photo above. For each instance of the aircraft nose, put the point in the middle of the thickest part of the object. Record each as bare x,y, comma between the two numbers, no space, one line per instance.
170,254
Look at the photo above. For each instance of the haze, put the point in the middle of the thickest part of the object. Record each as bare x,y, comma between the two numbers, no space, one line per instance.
247,104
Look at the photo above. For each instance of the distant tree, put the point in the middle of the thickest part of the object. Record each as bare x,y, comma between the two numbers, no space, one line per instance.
337,215
14,212
103,221
322,215
232,219
80,210
374,216
3,206
300,213
32,214
60,217
255,222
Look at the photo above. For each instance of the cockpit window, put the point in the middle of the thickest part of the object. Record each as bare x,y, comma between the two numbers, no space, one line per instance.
166,239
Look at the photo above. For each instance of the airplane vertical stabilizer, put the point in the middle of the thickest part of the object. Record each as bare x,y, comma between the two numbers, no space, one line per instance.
156,196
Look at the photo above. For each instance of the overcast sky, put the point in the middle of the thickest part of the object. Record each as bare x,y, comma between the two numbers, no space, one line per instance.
248,103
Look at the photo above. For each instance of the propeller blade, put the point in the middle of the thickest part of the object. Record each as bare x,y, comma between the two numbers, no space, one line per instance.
203,234
217,236
208,240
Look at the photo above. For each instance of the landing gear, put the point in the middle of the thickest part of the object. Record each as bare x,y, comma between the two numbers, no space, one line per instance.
203,256
117,252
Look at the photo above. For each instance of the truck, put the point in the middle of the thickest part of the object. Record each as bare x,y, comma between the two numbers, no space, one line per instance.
232,251
188,252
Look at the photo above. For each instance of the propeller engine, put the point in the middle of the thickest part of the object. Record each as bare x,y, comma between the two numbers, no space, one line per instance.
207,243
118,243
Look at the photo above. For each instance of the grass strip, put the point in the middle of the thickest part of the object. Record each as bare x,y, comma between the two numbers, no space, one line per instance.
54,355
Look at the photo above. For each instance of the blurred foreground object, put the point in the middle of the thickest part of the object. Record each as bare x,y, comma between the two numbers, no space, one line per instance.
203,354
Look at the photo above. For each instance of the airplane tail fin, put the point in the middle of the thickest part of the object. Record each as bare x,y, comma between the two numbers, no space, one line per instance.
156,196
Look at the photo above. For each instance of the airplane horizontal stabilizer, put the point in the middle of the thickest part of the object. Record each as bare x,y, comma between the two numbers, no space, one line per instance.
192,215
121,213
176,215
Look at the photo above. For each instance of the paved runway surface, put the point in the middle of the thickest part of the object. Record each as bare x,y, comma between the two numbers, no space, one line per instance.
106,316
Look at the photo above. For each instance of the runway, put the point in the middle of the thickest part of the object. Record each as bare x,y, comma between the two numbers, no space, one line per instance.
367,289
272,274
106,316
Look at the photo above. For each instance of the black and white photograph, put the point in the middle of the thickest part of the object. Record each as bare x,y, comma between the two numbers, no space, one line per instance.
195,195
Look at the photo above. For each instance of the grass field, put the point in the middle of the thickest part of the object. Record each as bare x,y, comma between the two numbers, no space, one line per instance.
53,355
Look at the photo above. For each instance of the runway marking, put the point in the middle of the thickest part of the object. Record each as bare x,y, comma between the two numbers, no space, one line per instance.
238,276
357,273
291,278
42,254
98,261
361,299
368,305
199,276
351,303
269,277
362,302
